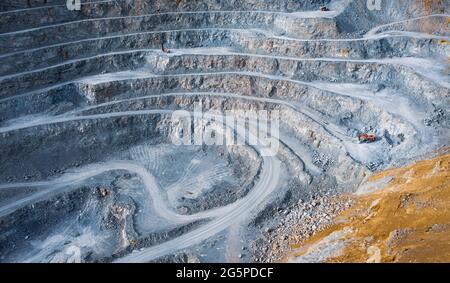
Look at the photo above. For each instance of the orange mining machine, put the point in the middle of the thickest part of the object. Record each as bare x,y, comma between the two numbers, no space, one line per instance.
367,138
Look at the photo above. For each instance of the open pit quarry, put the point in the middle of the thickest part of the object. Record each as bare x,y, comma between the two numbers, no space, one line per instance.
90,172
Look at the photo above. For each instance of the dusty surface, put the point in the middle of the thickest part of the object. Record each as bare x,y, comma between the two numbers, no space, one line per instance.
405,220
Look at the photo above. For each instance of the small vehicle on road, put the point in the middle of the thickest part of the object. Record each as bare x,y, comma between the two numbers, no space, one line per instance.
165,50
367,138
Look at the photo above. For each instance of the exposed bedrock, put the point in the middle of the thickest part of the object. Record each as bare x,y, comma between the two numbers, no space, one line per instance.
54,14
70,31
236,40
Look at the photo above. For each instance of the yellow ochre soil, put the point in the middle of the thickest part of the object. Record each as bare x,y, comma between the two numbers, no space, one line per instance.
405,219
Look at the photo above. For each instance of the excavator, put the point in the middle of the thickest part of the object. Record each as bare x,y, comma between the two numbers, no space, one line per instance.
163,49
367,138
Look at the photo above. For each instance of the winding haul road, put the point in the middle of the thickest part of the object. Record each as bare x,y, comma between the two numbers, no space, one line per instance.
220,218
